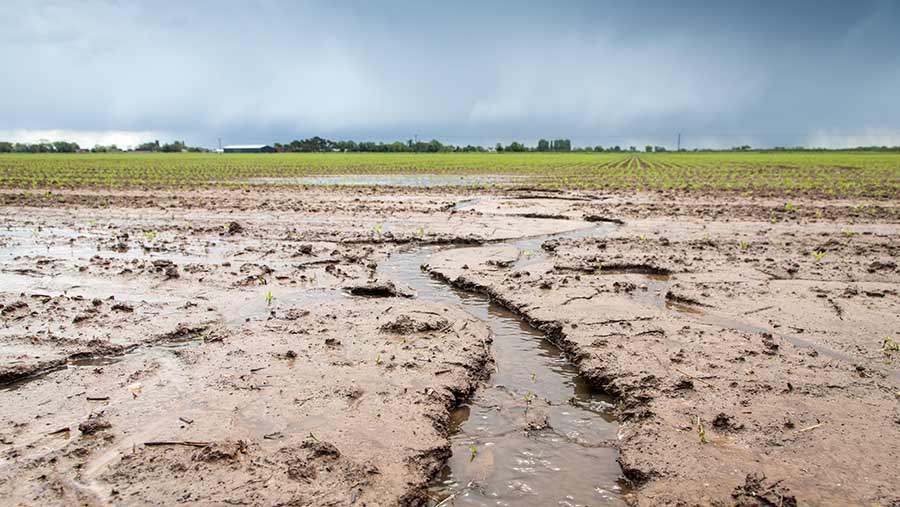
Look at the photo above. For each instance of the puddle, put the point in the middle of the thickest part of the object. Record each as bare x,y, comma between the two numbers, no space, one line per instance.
568,463
94,361
83,245
393,180
683,308
465,204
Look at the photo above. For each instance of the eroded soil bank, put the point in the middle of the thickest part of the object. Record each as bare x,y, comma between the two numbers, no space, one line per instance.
242,347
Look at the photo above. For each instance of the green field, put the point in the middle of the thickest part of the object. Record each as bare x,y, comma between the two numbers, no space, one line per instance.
826,173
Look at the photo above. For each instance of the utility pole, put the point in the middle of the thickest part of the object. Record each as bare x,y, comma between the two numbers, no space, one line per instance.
679,142
416,137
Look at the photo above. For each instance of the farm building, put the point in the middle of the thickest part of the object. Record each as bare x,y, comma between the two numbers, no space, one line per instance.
249,148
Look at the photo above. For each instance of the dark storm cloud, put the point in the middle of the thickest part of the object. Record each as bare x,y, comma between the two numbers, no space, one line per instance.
723,73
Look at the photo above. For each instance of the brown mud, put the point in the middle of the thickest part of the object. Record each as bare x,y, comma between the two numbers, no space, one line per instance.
271,346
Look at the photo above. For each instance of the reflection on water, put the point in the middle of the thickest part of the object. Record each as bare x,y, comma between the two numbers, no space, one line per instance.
496,459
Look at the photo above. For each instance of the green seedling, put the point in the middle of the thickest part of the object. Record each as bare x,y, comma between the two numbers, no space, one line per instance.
743,245
819,213
150,235
473,450
268,298
599,266
643,238
889,344
378,359
421,232
848,233
773,220
533,376
818,256
789,207
527,253
377,229
701,431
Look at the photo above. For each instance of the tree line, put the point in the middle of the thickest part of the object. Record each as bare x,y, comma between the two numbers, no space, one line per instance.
321,145
318,144
69,147
44,147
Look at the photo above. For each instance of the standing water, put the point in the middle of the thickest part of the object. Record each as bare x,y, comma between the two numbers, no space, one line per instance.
503,452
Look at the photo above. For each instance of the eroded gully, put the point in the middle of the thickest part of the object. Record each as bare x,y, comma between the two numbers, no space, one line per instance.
536,433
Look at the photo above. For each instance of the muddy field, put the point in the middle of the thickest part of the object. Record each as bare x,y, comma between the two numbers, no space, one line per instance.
272,346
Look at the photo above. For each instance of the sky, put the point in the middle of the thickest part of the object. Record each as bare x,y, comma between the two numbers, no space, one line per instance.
758,72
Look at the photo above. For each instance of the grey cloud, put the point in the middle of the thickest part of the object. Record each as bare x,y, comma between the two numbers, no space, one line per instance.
600,73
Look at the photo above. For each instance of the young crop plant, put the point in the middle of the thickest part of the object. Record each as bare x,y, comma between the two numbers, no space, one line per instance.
701,431
819,255
889,344
269,298
743,245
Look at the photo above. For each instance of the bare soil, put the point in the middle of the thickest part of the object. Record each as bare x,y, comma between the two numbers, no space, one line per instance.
241,346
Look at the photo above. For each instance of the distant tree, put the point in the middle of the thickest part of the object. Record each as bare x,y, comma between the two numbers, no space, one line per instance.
598,148
648,149
499,148
149,146
659,149
173,147
65,147
99,148
632,148
543,145
561,145
6,147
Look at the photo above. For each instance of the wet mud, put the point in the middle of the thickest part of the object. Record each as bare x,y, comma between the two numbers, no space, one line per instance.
436,346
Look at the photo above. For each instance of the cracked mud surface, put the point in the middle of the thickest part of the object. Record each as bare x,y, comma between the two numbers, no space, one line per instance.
243,347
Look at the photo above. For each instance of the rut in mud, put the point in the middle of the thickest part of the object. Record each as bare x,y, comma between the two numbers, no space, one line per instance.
537,433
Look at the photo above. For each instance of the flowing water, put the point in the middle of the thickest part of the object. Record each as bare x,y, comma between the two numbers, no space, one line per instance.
497,459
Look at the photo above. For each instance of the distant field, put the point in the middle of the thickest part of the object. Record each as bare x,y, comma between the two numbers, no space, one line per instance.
838,174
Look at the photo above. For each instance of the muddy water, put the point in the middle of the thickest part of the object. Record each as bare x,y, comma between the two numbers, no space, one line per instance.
503,454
